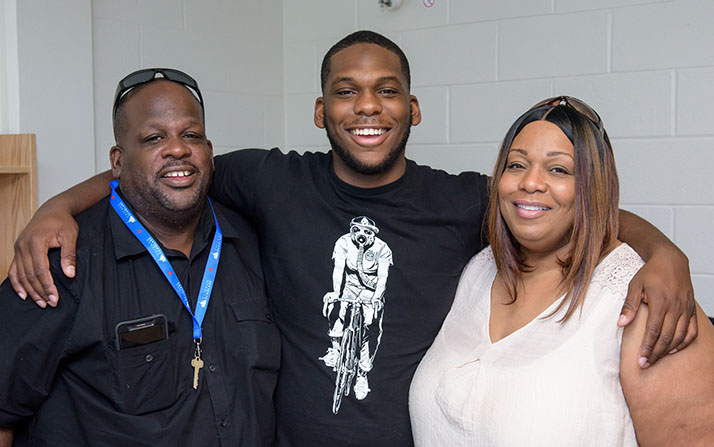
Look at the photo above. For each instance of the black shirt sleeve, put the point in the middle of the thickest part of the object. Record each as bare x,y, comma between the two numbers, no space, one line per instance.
33,342
235,181
476,189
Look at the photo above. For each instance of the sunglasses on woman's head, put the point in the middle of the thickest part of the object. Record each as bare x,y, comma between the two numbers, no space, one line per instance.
575,104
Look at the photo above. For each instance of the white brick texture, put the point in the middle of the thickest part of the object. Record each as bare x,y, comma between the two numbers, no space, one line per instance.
646,65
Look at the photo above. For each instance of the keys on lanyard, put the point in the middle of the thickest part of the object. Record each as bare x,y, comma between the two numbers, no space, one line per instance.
196,363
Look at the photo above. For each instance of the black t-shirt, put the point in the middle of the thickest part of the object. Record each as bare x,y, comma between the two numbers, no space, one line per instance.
63,382
421,230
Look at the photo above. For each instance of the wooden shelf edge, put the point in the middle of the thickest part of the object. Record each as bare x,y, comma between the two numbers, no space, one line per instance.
15,169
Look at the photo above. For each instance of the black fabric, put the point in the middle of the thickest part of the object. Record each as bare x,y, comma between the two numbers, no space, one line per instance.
430,221
64,383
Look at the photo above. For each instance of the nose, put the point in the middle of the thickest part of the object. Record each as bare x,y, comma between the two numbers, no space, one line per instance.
533,180
176,147
367,103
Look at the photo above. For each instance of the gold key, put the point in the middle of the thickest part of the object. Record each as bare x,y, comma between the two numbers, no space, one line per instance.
197,364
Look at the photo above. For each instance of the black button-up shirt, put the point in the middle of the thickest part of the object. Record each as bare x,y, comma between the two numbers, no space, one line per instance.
63,381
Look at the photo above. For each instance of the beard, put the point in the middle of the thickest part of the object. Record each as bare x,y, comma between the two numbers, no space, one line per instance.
152,202
355,165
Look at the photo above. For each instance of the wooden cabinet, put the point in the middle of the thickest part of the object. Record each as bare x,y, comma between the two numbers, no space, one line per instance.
18,191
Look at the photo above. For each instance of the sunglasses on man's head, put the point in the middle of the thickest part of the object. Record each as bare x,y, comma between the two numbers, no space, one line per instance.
145,75
575,104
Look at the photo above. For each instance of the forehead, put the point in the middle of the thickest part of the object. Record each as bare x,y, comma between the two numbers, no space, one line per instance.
542,136
161,99
365,60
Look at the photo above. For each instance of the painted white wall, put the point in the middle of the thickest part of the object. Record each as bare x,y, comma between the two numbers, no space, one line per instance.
8,66
646,65
54,89
62,61
232,48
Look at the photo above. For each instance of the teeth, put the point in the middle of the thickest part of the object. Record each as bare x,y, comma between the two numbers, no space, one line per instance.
532,208
370,131
178,174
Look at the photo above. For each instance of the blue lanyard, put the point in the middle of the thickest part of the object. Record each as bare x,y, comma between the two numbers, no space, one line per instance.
209,275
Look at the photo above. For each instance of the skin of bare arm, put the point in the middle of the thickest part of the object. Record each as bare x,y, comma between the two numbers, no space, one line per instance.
671,403
664,283
6,436
52,226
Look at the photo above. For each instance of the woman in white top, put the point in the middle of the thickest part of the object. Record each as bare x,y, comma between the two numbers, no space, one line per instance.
530,353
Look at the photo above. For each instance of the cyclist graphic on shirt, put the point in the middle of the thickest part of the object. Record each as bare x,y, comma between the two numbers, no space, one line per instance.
362,262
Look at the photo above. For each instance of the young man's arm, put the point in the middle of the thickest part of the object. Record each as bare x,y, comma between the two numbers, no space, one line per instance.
665,284
52,226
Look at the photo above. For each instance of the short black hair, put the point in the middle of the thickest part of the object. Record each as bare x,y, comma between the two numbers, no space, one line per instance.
364,36
119,118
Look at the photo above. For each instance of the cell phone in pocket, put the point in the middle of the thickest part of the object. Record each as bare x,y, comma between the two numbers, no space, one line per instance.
141,331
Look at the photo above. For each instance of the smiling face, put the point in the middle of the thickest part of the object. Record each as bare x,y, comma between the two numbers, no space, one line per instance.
162,159
367,112
536,191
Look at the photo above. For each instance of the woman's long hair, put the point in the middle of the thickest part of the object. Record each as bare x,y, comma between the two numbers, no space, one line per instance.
595,227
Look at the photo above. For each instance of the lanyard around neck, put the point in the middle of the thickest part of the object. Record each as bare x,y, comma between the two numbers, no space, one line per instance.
209,274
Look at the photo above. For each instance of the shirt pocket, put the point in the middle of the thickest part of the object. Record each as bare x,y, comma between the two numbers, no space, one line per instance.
146,376
259,337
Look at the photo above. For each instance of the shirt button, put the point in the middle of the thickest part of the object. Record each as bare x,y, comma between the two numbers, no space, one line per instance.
268,317
212,367
149,357
224,423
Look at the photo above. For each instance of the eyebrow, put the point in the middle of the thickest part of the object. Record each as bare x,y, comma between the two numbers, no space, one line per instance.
343,79
380,79
549,154
389,78
153,123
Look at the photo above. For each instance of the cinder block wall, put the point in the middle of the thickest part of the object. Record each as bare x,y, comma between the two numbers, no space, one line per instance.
647,66
232,48
53,87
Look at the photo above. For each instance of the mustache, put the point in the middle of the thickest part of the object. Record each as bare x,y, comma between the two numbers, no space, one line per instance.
177,163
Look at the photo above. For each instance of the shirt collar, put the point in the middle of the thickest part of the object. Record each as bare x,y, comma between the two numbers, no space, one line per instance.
368,192
126,244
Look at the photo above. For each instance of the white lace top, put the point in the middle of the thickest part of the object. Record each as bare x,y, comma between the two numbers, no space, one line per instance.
547,384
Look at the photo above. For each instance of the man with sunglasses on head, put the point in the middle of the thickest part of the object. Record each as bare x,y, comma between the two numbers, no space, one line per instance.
335,389
164,337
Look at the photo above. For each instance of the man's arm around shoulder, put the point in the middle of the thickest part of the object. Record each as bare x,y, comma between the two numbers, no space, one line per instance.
53,226
664,283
